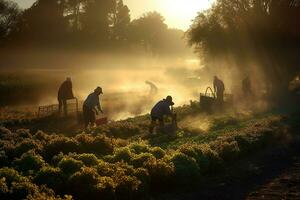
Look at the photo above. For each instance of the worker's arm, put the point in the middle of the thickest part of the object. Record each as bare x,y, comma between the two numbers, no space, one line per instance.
99,106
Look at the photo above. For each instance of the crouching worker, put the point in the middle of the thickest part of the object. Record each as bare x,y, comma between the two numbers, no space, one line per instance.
161,109
91,107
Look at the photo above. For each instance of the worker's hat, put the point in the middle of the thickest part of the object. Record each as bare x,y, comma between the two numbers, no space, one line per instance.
99,90
170,100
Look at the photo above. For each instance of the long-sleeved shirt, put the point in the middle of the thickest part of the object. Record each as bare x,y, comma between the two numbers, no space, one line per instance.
219,85
65,91
160,109
92,101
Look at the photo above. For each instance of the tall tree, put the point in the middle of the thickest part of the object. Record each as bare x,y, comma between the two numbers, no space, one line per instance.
120,21
147,30
44,21
96,18
9,16
261,32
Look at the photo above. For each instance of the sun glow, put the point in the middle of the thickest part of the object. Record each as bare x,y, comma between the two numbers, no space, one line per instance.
180,13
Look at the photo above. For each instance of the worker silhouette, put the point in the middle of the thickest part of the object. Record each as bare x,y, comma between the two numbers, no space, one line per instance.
91,107
65,92
247,87
161,109
219,89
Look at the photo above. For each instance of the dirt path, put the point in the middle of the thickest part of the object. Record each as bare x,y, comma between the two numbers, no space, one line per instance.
285,186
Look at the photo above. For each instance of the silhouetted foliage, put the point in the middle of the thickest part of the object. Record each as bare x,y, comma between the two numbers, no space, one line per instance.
265,33
9,17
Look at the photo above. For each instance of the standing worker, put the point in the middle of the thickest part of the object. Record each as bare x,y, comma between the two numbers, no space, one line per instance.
219,89
65,93
158,112
91,107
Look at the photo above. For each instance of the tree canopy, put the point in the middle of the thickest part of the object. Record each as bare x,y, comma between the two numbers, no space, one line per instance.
264,33
84,24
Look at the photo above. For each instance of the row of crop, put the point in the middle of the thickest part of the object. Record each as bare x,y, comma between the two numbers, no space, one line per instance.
134,171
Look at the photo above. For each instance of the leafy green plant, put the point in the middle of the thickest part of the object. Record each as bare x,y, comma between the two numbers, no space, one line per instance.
29,161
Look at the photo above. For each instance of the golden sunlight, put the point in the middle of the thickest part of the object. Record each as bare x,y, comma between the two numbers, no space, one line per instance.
180,13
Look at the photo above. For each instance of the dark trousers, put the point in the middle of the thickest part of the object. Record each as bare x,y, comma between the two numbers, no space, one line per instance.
153,123
62,104
89,116
220,96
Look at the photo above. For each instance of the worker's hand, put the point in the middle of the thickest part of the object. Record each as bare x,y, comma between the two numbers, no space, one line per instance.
96,112
101,111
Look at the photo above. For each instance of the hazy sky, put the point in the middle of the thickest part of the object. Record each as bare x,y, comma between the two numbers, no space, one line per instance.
178,13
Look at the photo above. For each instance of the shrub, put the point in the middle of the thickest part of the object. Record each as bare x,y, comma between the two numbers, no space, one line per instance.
206,158
122,154
139,147
10,175
187,170
127,187
29,161
69,165
52,177
3,187
88,159
141,159
20,190
105,168
120,130
25,146
59,144
83,183
228,150
4,132
158,152
105,189
40,135
161,174
23,133
99,145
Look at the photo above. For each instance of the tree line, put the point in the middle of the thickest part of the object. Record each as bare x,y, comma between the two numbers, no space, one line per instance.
78,24
246,33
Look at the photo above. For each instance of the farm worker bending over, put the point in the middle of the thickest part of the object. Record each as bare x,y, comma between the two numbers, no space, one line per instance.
91,106
219,89
65,93
158,112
